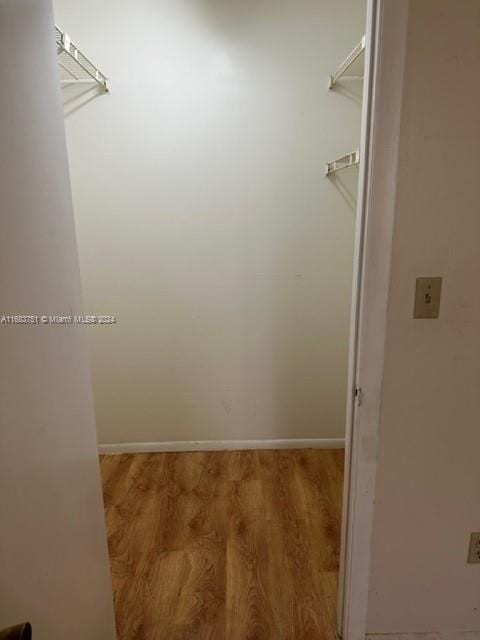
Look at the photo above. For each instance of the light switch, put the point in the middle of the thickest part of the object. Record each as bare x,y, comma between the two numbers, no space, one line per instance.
427,298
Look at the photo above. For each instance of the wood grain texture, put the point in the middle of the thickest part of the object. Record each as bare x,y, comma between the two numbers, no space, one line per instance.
225,545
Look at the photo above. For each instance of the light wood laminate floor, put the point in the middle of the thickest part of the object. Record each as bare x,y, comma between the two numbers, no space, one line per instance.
228,545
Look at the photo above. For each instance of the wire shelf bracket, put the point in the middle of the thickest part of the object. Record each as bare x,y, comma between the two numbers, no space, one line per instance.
345,162
347,63
75,67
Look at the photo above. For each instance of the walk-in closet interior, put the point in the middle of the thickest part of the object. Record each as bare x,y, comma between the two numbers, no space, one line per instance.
214,160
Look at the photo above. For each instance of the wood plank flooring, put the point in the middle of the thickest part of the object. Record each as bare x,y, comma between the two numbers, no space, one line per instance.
226,545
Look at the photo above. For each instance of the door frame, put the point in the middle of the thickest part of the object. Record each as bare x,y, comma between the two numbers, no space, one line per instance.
386,28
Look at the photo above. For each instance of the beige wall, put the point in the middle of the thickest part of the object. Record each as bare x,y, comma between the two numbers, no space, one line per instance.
204,221
53,553
426,500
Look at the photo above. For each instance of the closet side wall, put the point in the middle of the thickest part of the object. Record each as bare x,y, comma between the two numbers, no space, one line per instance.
205,222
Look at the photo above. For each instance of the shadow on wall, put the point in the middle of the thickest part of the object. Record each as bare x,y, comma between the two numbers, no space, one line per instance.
76,96
350,89
347,185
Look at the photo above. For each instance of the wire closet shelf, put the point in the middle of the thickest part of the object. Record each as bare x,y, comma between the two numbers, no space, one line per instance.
351,159
346,64
75,67
347,161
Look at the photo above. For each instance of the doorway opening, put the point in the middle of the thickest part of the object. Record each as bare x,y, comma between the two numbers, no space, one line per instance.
215,193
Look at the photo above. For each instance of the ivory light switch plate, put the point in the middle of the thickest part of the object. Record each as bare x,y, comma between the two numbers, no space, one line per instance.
427,298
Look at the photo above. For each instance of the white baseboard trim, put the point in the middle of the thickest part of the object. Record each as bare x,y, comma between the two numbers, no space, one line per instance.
426,635
221,445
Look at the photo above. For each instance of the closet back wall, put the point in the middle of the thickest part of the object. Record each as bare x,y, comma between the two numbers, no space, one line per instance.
205,223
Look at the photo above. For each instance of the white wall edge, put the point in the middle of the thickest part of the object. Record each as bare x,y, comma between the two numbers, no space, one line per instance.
387,24
221,445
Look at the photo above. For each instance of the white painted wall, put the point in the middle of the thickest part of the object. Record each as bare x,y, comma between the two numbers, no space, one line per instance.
204,221
426,500
53,556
